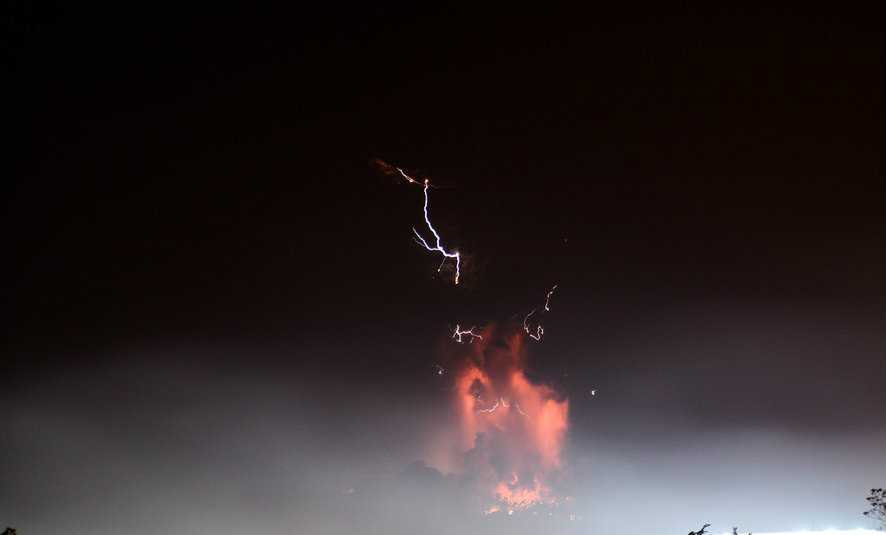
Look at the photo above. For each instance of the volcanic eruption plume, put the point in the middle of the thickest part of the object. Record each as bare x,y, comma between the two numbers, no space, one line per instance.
512,431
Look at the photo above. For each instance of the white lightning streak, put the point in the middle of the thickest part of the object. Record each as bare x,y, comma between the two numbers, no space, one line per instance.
501,403
422,241
526,320
489,410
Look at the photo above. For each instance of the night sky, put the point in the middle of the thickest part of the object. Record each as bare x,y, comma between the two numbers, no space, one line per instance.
218,320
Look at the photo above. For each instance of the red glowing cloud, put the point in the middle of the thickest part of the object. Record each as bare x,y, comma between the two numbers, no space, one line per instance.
512,430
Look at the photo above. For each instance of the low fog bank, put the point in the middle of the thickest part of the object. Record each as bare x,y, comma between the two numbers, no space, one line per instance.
166,440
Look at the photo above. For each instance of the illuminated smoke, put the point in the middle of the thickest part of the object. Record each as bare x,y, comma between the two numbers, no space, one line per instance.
512,431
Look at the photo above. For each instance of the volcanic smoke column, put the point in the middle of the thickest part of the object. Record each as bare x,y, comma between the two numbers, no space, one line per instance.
513,431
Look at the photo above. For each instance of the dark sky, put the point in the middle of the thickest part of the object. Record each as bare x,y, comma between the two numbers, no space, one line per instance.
218,319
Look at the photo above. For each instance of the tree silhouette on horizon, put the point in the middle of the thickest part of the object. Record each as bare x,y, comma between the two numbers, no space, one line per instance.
877,500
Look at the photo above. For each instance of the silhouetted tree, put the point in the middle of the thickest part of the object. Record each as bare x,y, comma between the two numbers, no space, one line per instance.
9,531
735,532
701,531
877,499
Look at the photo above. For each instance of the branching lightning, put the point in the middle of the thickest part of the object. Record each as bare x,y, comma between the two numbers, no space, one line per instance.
439,248
500,403
457,334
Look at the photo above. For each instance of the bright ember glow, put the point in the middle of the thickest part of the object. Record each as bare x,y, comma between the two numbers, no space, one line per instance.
548,298
422,241
512,430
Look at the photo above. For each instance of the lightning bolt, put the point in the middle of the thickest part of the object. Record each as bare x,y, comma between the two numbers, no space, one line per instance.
501,403
548,298
488,410
458,333
439,248
539,330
